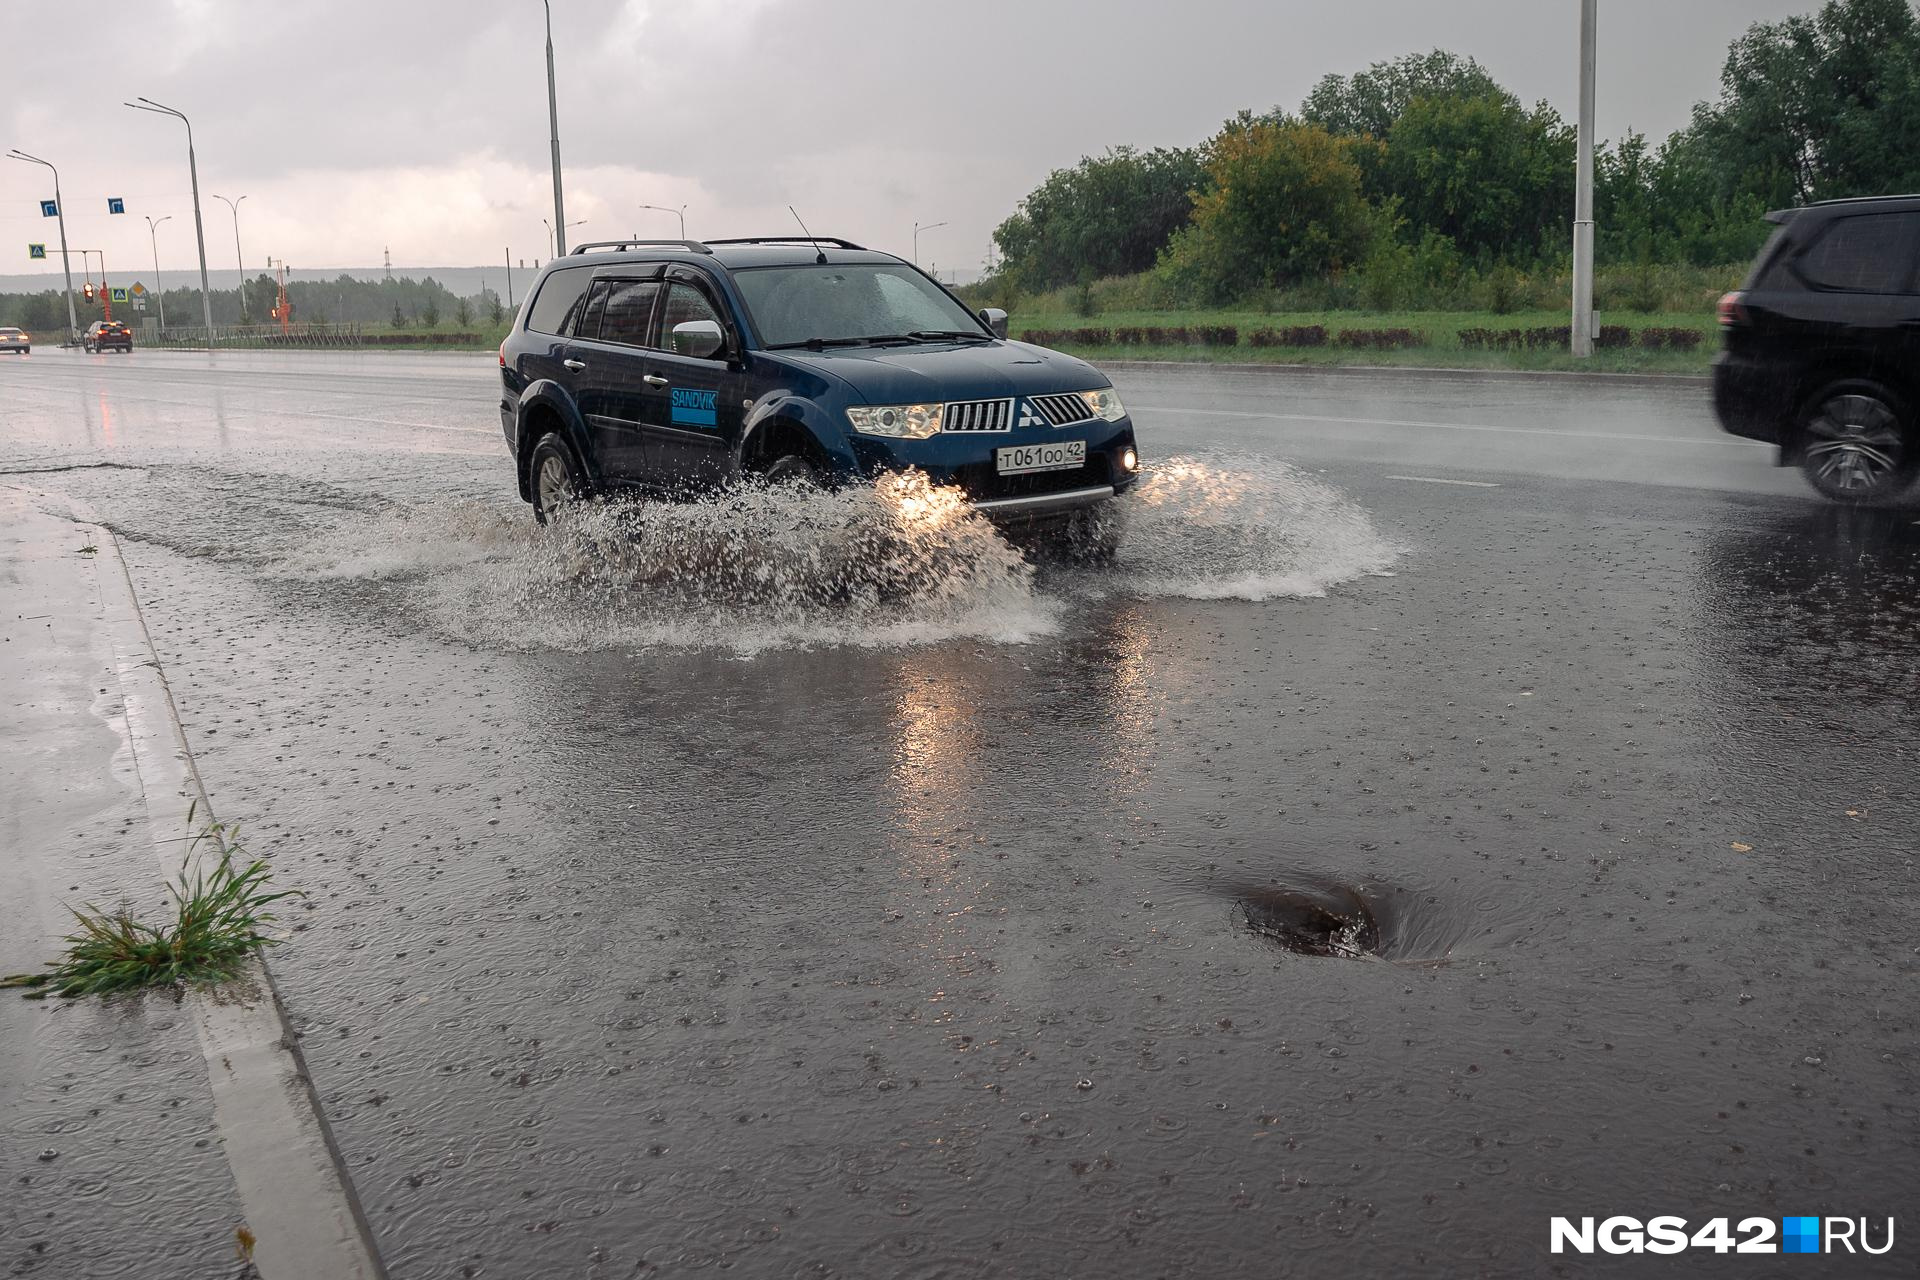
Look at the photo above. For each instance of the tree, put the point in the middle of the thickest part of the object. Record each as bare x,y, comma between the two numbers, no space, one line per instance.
1108,215
430,313
1817,107
399,320
463,314
1494,178
1372,101
1283,204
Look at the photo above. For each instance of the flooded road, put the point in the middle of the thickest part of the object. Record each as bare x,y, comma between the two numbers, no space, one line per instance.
1418,830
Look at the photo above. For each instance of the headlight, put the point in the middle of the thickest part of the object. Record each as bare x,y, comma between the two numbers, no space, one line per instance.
1104,404
901,421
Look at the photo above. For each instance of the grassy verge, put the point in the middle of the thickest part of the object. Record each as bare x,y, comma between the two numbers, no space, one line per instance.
220,908
1443,347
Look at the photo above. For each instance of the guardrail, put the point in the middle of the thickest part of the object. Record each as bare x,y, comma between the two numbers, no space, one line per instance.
299,336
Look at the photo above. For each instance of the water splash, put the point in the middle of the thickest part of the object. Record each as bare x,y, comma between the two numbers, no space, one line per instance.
897,563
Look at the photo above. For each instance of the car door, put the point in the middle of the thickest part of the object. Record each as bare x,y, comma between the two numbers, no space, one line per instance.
607,358
693,401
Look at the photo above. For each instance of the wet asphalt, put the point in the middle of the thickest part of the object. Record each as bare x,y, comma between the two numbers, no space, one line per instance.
654,931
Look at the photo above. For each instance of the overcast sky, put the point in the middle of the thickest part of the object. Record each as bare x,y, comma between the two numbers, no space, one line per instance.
421,125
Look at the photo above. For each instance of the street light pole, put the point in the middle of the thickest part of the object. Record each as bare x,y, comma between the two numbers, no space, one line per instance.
680,213
917,229
1582,344
239,257
60,214
553,133
199,228
153,234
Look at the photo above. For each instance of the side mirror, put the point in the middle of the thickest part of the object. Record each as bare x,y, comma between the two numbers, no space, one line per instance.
995,319
698,339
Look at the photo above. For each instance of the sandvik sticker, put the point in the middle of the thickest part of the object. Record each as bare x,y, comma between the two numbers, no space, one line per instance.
693,408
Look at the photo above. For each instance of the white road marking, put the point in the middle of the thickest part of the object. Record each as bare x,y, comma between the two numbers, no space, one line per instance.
1451,426
1465,484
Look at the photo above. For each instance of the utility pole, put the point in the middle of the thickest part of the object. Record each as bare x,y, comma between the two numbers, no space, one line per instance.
239,257
509,277
553,133
60,214
388,251
1583,194
159,292
199,228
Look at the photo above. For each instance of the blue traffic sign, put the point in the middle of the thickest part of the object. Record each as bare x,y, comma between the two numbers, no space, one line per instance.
48,209
36,251
119,295
116,205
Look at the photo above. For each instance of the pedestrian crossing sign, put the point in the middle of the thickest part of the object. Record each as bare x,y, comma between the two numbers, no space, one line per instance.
36,251
119,295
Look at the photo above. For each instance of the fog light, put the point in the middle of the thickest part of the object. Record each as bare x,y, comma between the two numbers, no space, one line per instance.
1129,459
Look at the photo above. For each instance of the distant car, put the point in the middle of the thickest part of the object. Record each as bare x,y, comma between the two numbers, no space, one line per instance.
16,340
107,335
1822,347
668,365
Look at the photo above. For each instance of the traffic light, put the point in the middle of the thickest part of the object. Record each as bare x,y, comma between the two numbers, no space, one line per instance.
86,291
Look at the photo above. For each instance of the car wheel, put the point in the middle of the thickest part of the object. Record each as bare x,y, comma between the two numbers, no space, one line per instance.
1856,445
556,477
795,470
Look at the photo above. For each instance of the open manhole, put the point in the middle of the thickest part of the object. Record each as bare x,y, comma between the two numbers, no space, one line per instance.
1311,914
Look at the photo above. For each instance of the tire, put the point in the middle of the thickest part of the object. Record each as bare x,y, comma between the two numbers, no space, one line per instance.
1857,443
555,477
795,470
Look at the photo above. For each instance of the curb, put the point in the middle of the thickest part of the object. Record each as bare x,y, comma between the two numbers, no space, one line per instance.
1414,371
295,1195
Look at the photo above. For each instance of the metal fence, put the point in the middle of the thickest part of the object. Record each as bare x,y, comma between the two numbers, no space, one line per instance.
301,336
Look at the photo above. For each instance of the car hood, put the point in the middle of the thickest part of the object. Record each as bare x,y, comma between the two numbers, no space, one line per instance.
943,372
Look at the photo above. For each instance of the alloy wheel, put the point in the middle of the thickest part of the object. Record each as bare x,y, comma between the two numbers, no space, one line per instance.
1854,445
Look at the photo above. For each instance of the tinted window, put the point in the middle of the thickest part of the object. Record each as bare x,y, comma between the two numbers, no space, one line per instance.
1870,253
629,308
557,298
684,302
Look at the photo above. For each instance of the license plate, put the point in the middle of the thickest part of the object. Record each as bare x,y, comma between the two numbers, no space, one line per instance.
1055,455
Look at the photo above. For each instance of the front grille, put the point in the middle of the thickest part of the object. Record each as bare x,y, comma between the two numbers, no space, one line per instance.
978,415
1062,410
982,481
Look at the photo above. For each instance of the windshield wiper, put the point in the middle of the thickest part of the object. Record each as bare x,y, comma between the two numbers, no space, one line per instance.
948,335
820,344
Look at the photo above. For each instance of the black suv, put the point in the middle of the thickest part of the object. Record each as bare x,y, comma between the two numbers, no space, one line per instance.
107,335
1822,350
676,365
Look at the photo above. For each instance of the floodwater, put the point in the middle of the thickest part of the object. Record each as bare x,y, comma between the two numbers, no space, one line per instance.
863,897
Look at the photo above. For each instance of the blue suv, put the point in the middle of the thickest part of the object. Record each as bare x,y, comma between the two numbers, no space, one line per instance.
667,366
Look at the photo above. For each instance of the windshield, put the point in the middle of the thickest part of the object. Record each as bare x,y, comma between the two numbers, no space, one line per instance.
792,306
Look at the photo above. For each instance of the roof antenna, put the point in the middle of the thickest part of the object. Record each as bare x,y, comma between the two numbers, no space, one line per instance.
821,254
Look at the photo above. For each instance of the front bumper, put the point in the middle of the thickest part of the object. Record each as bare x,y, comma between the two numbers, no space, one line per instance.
966,460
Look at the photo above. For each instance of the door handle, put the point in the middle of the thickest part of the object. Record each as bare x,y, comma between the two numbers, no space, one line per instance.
653,380
575,365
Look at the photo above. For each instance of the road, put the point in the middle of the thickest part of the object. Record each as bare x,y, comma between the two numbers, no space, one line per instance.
752,917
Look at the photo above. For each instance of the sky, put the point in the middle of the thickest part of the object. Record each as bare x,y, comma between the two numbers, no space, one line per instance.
419,127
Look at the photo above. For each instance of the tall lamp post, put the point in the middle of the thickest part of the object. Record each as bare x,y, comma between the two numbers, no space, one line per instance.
680,213
234,205
199,228
559,243
1582,343
917,229
553,134
60,212
153,228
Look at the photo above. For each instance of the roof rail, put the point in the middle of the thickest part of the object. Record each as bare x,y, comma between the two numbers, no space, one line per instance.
692,246
836,241
1865,199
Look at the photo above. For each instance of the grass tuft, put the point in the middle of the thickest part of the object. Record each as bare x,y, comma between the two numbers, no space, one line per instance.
220,907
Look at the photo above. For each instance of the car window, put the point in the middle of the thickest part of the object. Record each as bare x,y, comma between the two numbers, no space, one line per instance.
791,305
1868,253
559,294
684,303
629,308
